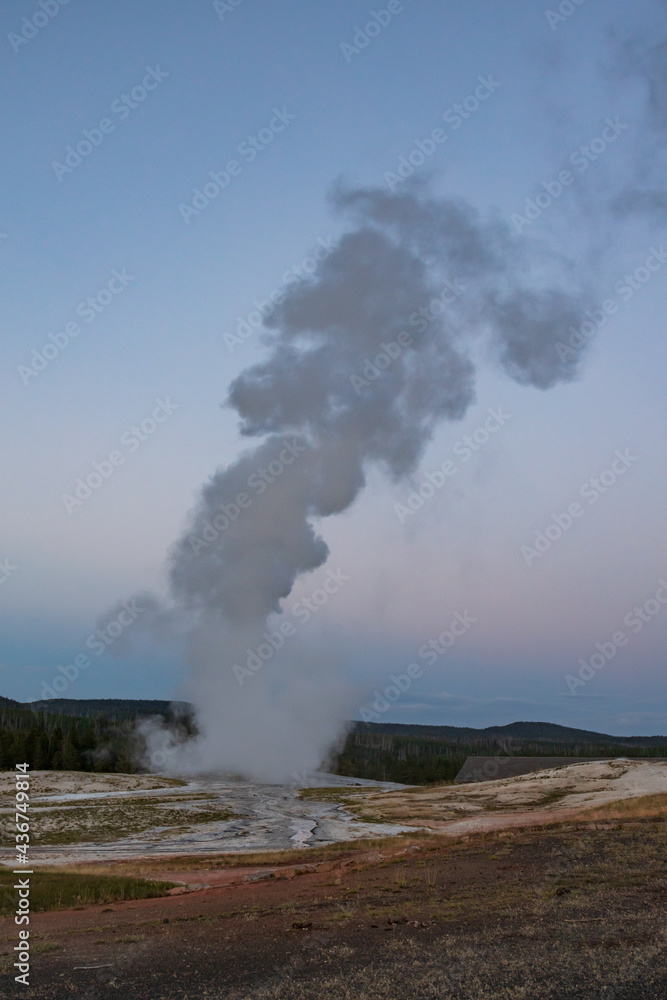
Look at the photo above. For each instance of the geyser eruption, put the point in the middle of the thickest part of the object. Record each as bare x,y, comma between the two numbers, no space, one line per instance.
365,359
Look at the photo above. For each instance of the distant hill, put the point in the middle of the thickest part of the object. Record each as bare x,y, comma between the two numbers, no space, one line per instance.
526,733
100,734
422,754
110,708
538,732
552,733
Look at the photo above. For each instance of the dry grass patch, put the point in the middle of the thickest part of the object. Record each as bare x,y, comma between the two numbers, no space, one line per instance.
641,808
335,793
110,820
355,850
91,782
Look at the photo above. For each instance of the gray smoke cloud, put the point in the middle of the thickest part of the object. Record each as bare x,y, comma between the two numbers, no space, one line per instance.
642,60
452,282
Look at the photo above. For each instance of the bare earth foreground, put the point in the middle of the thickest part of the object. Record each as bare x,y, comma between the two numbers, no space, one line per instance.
549,885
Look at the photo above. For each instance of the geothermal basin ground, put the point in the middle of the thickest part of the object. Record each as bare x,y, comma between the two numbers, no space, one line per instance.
79,816
550,885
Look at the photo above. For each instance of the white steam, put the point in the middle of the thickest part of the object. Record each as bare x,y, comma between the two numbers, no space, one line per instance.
320,432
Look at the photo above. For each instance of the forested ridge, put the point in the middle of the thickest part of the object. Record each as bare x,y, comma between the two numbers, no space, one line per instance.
49,736
101,735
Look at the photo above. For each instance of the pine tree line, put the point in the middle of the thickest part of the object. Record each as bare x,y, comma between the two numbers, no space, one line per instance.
66,744
411,760
60,741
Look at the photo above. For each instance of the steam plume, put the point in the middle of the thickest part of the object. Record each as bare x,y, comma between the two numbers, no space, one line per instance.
323,424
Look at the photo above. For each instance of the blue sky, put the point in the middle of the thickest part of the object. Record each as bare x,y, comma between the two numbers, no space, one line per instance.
221,77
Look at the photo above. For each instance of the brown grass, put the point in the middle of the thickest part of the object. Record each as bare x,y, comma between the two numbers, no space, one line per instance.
334,793
115,819
147,867
641,808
